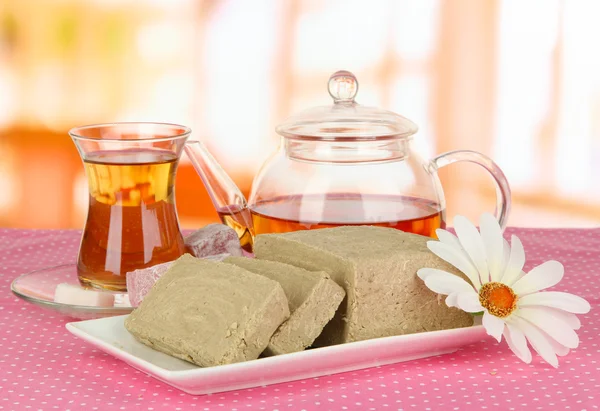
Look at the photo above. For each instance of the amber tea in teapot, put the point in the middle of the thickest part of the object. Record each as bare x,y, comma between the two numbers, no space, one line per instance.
234,216
293,213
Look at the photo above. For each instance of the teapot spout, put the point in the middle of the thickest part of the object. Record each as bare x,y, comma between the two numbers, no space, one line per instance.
228,200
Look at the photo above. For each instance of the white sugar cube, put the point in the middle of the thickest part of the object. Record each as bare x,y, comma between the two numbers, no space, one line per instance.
76,295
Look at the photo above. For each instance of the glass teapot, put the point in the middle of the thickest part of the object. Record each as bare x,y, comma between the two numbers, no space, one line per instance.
343,164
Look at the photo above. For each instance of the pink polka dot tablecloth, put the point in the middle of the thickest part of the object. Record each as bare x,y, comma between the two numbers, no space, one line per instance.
42,366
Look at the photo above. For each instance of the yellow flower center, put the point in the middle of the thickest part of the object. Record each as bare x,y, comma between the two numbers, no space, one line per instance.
499,299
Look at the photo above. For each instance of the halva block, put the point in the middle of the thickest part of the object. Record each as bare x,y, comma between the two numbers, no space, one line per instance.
313,298
209,313
377,267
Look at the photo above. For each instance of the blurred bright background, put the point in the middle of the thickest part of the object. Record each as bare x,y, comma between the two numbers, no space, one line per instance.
516,80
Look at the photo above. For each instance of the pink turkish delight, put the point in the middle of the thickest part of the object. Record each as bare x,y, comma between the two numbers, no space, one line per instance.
139,282
218,257
212,240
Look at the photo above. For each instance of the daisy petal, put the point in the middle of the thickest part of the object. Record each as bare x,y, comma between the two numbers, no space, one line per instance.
447,237
517,343
543,276
559,349
423,273
469,302
505,256
452,300
494,326
445,283
493,242
516,261
537,340
457,259
551,325
556,299
471,241
571,319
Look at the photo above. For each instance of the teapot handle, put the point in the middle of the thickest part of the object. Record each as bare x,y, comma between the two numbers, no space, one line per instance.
503,199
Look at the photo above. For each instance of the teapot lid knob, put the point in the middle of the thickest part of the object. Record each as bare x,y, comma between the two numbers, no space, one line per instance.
345,119
343,87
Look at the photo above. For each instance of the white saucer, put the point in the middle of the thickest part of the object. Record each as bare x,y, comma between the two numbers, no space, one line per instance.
37,287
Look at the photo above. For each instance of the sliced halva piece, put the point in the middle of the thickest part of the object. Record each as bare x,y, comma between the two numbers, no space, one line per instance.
209,313
377,267
141,281
313,298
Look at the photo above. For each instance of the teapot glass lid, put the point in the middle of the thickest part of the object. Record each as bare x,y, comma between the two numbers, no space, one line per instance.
345,119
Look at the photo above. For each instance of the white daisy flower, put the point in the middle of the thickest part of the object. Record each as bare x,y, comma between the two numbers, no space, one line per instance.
512,302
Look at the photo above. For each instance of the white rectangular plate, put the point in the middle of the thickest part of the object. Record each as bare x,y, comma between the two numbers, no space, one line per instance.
109,335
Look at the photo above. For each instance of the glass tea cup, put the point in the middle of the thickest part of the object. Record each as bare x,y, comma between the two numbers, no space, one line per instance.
132,218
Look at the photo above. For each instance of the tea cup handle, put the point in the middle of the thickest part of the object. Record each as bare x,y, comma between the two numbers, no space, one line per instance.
503,199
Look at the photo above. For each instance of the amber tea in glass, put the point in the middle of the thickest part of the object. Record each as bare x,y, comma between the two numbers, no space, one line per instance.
132,219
